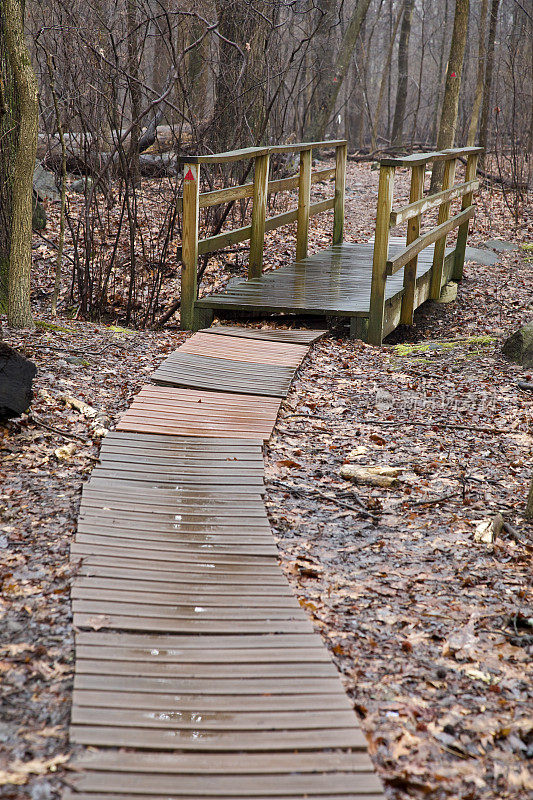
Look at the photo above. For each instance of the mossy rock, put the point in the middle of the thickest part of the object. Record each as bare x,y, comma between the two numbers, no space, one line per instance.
49,326
427,347
519,346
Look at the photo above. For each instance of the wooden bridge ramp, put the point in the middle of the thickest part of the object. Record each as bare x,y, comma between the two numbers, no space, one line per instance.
197,673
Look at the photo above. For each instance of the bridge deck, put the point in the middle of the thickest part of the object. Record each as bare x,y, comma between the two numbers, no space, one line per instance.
332,282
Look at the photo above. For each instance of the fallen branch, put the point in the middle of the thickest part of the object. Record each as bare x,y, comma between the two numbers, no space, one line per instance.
433,501
37,421
303,490
514,534
456,425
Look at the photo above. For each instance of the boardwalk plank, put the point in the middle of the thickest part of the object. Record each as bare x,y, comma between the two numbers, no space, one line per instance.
188,636
231,785
225,741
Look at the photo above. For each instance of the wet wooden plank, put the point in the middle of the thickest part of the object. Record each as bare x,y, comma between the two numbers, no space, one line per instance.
224,703
259,352
231,785
207,569
94,566
314,653
224,763
332,281
268,685
221,374
183,444
234,641
293,336
176,546
226,741
173,624
186,611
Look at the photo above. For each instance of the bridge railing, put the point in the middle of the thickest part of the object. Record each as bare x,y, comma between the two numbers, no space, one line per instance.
411,213
257,190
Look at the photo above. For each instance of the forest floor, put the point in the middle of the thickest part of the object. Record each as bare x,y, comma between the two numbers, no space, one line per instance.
427,626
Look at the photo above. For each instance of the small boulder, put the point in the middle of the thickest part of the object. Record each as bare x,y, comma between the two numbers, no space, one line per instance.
519,346
448,293
16,378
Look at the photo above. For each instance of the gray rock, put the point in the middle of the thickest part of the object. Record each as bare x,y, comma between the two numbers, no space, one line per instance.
519,346
481,256
81,186
499,245
44,183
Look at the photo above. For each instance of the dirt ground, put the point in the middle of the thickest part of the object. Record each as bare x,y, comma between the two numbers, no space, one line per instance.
429,628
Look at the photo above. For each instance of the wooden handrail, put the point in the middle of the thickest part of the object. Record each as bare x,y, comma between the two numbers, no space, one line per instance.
246,190
431,236
423,158
443,268
426,203
247,153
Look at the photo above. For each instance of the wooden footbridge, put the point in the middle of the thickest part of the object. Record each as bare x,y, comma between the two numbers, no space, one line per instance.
376,286
197,674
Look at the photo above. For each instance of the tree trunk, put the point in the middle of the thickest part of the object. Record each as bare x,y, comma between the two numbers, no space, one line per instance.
383,84
485,108
135,91
19,62
403,69
332,77
8,143
239,96
450,103
441,79
478,96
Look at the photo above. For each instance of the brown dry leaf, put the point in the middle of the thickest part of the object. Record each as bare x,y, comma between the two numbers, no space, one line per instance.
522,779
18,772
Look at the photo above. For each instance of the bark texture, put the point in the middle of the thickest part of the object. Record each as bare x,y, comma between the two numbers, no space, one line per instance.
450,103
489,69
333,76
403,73
478,96
19,272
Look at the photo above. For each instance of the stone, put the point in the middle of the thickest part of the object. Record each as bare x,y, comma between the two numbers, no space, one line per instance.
44,183
519,347
82,185
499,245
448,293
16,378
480,255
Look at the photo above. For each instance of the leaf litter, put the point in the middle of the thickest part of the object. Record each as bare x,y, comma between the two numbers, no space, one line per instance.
429,629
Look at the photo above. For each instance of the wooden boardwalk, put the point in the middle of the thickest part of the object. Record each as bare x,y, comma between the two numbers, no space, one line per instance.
197,673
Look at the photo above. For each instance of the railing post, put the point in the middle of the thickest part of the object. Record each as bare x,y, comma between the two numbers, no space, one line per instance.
381,251
257,237
189,245
304,201
413,232
462,233
341,154
440,244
